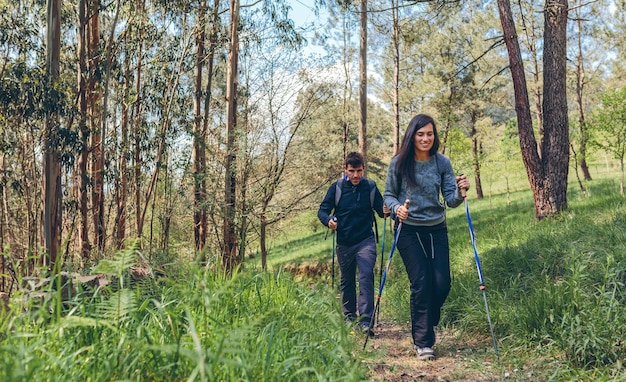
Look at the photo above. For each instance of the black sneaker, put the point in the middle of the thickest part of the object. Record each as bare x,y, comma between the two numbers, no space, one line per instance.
365,328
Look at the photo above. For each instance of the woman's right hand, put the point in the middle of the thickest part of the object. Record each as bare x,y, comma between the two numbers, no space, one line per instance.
402,212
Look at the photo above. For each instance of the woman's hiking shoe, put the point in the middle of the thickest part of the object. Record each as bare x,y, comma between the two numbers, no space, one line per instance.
424,353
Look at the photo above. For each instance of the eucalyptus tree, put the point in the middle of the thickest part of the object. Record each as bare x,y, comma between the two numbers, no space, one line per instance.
229,255
208,29
390,21
338,41
276,16
363,83
21,95
53,197
547,172
96,118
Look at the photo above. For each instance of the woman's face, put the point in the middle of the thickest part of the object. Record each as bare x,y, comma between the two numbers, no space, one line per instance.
424,139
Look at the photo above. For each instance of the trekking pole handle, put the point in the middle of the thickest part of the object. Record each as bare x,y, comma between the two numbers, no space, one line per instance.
463,190
406,205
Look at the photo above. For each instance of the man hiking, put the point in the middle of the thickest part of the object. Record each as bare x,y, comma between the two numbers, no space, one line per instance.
353,199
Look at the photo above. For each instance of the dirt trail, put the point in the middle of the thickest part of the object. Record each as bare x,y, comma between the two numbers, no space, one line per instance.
457,359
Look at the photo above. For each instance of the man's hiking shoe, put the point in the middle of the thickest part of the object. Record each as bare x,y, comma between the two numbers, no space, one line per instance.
365,327
424,353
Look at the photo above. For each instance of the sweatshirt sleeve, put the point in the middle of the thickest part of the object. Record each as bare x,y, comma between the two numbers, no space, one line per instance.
392,187
449,189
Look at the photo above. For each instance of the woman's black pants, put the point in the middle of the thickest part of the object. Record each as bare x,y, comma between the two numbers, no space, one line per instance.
426,256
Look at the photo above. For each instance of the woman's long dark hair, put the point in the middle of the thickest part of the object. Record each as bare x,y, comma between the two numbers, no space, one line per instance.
405,164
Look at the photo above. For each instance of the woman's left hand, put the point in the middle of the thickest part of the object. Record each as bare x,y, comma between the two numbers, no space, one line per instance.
462,182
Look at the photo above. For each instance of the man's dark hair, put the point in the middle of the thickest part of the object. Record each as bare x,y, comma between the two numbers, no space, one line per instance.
354,159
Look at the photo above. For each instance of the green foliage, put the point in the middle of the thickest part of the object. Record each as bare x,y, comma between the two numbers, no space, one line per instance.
611,123
555,288
254,327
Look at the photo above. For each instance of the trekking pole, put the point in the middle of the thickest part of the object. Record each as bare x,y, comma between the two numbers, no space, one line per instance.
333,254
382,254
384,278
480,272
333,251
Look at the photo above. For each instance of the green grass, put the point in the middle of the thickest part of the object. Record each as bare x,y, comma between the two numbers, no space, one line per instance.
196,326
556,292
555,287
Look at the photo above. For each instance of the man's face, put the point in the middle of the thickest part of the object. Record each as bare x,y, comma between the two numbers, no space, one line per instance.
354,174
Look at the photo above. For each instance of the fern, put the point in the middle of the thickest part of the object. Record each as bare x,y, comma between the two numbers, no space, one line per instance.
119,265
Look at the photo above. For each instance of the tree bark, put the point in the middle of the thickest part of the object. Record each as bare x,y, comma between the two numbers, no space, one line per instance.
528,144
476,157
52,196
229,255
580,88
137,127
94,94
396,76
199,139
363,85
83,159
556,124
547,175
122,194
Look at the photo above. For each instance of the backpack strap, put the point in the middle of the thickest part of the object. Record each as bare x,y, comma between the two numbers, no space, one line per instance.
339,184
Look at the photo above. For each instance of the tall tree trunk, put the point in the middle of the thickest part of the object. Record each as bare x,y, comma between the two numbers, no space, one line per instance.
94,93
547,175
580,87
363,85
556,125
229,256
199,140
396,75
476,157
528,144
138,162
205,122
51,166
122,194
103,131
531,36
347,86
83,159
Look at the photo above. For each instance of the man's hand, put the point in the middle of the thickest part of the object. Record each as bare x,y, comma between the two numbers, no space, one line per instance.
332,223
386,211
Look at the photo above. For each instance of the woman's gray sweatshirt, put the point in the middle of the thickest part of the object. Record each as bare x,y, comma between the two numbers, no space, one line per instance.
434,177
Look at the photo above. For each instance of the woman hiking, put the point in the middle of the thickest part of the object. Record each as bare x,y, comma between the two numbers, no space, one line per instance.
424,176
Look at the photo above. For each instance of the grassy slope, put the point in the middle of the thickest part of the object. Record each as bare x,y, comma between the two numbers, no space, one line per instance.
555,287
